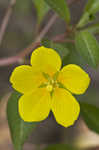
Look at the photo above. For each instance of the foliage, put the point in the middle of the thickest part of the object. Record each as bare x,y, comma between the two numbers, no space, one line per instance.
42,9
60,7
88,47
90,114
19,129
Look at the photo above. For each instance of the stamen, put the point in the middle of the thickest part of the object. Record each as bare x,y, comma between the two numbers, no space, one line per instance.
49,87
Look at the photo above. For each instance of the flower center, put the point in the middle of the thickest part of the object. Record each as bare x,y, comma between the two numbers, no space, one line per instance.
51,83
49,87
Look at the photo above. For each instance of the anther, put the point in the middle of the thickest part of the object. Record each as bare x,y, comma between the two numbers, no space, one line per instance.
49,87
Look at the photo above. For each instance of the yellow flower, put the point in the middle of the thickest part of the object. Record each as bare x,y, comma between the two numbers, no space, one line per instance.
46,88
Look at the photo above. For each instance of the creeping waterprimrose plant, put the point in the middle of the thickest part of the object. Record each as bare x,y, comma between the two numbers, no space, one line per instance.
54,79
46,87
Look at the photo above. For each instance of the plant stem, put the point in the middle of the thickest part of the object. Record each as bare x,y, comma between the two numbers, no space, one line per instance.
6,19
26,51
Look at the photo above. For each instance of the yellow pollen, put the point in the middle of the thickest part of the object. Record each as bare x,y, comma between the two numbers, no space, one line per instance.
49,87
53,81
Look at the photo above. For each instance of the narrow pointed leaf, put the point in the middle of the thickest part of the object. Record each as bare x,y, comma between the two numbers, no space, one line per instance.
42,8
19,129
88,47
90,10
94,29
90,114
85,19
61,8
92,6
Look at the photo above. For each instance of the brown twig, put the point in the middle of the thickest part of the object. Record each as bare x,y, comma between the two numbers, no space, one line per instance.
26,51
6,19
58,37
17,58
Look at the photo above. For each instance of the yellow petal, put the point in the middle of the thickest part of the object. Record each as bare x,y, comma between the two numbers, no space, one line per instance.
46,59
35,106
65,107
24,79
74,78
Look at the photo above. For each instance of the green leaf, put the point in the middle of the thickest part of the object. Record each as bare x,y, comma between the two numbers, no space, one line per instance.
42,8
61,8
90,96
60,147
94,29
85,19
60,48
92,6
90,10
73,56
19,129
90,114
88,47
